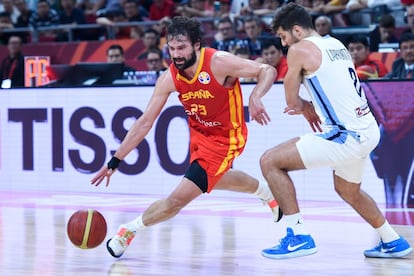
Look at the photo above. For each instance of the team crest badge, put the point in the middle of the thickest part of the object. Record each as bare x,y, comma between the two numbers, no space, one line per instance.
204,77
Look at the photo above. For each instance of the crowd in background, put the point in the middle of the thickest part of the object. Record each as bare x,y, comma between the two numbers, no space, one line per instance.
238,26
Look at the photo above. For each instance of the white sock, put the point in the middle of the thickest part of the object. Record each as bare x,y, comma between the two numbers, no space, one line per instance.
295,222
387,233
136,224
263,192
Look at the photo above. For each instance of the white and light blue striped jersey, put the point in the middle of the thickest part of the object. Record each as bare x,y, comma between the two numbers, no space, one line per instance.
336,92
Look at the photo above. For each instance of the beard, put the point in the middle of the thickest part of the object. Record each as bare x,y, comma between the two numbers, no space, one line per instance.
187,62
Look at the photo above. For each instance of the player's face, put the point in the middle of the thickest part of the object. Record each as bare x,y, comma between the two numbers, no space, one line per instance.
287,38
182,52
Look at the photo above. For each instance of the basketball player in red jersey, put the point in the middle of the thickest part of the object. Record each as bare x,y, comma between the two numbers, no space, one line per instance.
209,89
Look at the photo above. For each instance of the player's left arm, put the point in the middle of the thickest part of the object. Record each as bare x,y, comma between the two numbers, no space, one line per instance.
225,64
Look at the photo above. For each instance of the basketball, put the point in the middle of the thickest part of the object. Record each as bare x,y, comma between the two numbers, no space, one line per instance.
366,72
86,228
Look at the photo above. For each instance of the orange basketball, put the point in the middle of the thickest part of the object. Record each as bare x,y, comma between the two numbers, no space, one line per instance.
86,228
366,72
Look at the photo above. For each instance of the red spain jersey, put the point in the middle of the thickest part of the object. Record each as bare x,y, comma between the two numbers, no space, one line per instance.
218,131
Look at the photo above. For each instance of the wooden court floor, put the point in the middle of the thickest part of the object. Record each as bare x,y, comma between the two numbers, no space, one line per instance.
212,236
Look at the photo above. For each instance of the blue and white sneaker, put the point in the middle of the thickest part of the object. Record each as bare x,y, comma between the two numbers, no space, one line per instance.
291,246
395,249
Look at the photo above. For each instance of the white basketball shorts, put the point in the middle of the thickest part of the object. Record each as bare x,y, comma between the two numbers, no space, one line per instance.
346,155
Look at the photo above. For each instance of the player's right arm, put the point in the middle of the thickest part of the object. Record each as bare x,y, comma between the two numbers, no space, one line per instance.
140,128
303,57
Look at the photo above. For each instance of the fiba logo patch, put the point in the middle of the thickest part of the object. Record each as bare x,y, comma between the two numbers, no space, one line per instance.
204,77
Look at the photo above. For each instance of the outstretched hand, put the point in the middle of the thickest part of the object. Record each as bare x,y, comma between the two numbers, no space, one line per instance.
257,111
100,176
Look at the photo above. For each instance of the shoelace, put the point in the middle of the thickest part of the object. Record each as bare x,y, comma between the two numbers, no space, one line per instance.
286,240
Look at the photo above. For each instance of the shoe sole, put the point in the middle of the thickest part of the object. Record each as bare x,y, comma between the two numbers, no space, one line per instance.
295,254
111,251
389,255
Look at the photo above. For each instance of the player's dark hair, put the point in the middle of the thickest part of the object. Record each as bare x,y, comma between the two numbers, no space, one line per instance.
189,27
290,15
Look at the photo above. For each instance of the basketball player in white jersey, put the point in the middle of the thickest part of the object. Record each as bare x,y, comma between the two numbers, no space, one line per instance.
343,137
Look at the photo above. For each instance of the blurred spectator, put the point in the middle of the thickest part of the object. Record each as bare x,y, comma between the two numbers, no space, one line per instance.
409,17
403,67
151,39
237,6
254,32
44,16
261,8
333,8
8,6
119,32
225,39
358,47
196,8
161,8
23,19
365,18
115,54
155,61
70,15
272,54
87,6
323,25
25,14
106,7
244,53
355,5
162,25
5,24
225,6
12,66
312,6
130,13
133,11
387,29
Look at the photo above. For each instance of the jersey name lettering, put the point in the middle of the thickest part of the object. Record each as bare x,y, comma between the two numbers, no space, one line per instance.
200,94
338,54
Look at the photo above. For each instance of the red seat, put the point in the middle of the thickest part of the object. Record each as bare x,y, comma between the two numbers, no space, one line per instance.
387,58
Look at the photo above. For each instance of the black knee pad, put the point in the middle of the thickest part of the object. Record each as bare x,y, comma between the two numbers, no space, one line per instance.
198,175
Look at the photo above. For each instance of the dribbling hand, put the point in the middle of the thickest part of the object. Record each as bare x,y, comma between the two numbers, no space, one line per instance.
100,176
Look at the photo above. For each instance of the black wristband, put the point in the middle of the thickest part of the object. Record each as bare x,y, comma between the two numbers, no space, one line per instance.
113,163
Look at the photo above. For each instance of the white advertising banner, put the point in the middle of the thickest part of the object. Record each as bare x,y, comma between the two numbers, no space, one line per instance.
55,139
